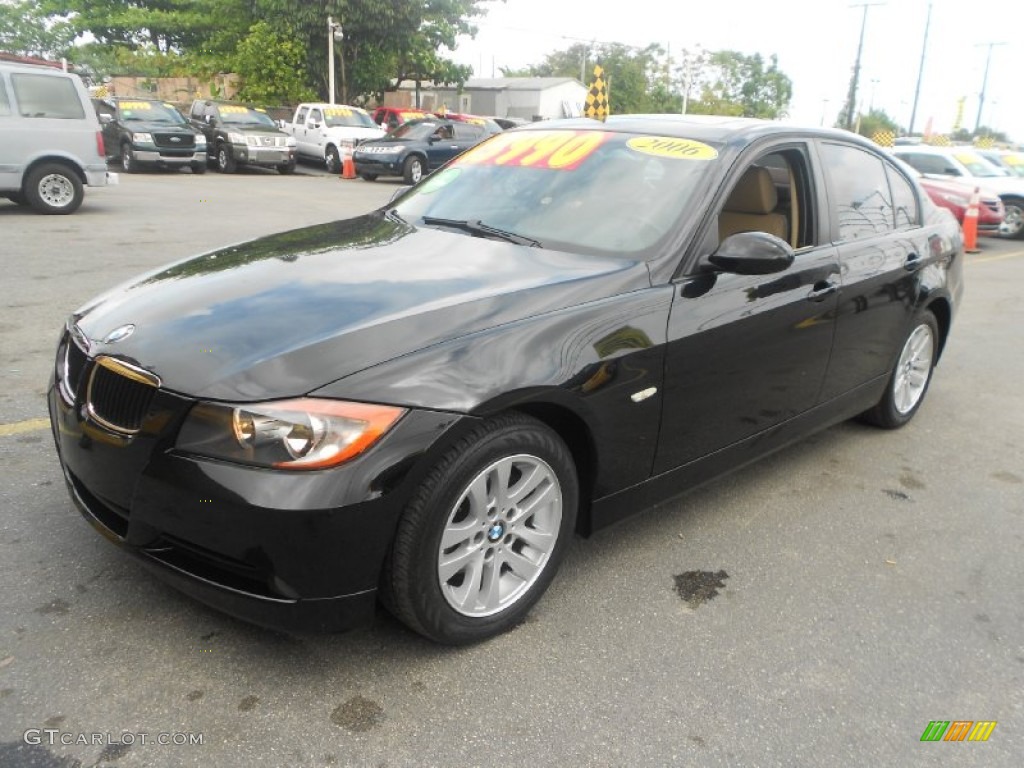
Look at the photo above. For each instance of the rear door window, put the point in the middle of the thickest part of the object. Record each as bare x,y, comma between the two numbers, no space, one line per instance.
5,104
47,96
860,192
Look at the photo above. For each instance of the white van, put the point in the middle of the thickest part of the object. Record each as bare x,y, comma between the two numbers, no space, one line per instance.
51,146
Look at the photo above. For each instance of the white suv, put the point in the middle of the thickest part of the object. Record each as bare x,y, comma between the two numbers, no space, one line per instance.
967,164
52,146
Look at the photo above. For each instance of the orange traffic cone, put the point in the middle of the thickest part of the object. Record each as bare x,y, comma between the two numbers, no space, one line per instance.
348,166
971,224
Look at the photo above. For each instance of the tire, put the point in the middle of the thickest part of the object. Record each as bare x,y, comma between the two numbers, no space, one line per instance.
910,377
198,167
225,160
128,164
17,198
287,168
333,160
1013,225
413,169
54,188
442,590
368,176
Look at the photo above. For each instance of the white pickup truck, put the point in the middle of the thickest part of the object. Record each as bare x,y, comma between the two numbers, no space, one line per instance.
325,133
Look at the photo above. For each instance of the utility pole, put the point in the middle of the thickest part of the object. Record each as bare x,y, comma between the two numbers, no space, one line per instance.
334,32
920,69
851,98
984,83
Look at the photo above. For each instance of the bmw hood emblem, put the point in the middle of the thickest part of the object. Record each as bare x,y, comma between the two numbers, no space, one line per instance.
119,334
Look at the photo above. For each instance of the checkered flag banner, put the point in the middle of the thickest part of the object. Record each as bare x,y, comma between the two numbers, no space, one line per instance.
985,142
597,97
884,138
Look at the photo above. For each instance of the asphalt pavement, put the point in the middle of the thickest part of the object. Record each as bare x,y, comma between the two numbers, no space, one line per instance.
820,608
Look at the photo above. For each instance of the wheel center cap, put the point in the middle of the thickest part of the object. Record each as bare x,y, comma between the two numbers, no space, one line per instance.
495,532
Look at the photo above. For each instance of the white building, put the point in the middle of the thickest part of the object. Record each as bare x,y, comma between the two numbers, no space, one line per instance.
532,98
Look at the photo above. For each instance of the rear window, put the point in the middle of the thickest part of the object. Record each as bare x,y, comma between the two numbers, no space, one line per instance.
47,96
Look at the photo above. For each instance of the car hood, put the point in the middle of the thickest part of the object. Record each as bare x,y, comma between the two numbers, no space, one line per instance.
260,129
1003,185
355,132
287,314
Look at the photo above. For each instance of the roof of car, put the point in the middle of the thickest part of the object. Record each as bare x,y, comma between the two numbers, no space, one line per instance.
715,128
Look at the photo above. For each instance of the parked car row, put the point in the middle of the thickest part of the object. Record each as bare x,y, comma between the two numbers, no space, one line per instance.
967,164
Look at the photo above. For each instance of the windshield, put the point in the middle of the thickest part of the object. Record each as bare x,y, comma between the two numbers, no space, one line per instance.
150,112
584,191
417,129
235,115
978,166
347,117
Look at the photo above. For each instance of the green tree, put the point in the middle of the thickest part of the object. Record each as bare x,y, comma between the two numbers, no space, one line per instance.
736,84
271,63
25,30
877,120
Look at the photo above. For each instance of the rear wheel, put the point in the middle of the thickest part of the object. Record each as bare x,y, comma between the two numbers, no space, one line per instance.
54,188
483,536
413,169
1013,224
911,376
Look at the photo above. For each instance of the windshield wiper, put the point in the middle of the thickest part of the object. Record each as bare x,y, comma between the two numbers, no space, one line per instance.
477,227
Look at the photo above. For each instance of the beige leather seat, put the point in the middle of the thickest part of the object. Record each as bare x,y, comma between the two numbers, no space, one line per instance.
751,206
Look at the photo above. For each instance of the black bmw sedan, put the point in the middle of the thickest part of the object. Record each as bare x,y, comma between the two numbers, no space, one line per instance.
564,325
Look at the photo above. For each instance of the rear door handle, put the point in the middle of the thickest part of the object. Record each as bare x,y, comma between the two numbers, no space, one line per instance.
822,289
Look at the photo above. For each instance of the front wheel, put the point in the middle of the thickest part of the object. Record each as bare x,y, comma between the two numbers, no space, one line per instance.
911,376
198,167
54,188
225,160
483,536
128,164
1013,224
413,170
368,176
333,160
286,168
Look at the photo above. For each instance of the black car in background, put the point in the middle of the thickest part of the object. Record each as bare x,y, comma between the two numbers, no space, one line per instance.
417,147
568,323
148,133
240,134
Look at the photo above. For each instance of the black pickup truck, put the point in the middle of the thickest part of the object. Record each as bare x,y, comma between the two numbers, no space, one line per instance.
238,134
142,133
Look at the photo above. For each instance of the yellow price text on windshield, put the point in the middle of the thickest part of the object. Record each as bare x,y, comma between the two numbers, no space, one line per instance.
679,149
231,110
135,105
338,112
555,150
967,158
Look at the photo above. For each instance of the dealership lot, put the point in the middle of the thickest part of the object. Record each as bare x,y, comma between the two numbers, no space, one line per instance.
867,582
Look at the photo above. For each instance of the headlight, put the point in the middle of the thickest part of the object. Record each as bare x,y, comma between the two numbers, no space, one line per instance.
346,144
252,141
963,202
308,433
236,138
200,140
142,138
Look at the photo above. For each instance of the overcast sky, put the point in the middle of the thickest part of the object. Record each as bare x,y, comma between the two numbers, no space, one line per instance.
815,40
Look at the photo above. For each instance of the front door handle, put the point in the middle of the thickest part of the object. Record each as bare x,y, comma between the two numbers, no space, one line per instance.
822,289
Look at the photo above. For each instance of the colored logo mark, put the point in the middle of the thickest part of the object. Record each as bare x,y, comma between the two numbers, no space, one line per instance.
958,730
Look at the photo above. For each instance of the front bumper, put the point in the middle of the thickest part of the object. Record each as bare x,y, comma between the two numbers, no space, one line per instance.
265,156
178,159
295,550
379,165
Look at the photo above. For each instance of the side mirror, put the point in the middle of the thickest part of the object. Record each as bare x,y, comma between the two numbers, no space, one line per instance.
752,253
433,138
951,171
313,124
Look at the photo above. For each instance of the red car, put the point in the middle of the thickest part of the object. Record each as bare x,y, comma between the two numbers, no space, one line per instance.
489,125
956,195
390,118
